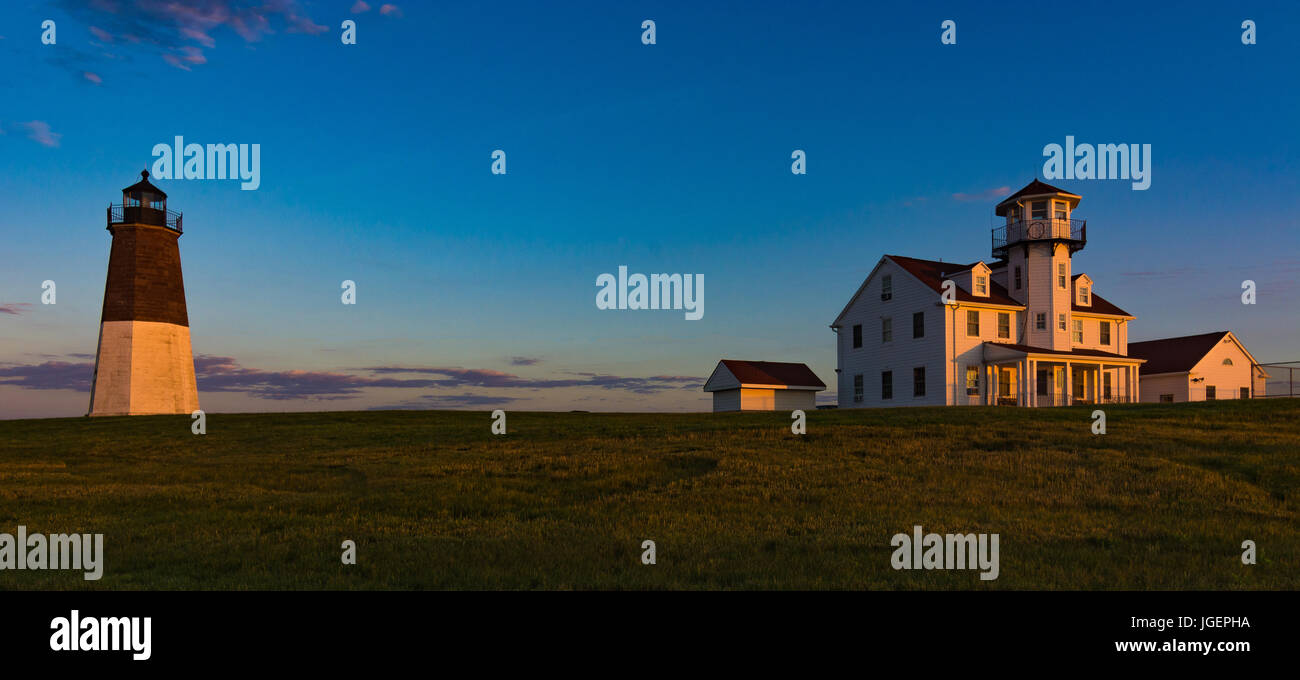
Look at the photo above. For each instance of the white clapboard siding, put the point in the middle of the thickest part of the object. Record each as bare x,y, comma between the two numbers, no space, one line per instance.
903,353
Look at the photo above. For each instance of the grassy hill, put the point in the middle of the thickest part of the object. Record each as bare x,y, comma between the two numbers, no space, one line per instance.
564,500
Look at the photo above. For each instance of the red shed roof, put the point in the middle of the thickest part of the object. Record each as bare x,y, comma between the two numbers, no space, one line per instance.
1174,355
772,373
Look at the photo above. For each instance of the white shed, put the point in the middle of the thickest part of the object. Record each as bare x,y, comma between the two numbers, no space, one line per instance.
1202,367
763,386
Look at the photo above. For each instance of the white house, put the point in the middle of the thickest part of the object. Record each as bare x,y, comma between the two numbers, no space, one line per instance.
1198,368
1020,329
763,386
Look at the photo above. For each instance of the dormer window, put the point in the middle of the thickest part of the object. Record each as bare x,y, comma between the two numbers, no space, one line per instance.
981,285
1083,295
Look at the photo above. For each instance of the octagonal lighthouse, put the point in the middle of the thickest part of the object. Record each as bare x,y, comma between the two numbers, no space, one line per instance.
144,364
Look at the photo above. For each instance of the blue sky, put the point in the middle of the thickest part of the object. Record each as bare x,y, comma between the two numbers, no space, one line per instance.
673,157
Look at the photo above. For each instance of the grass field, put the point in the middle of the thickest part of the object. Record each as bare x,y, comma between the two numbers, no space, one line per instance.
564,500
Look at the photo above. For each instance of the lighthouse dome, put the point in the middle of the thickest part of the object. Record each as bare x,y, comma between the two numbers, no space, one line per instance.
144,194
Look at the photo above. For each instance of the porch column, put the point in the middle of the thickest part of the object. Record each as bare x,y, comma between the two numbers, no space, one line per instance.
1068,391
1033,383
1020,382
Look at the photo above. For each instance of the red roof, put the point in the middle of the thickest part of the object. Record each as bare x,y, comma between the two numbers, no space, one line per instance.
1174,355
933,274
772,373
1100,305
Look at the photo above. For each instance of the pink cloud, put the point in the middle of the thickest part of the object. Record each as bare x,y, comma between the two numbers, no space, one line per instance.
986,195
180,29
197,34
176,61
360,6
92,77
14,308
39,132
390,10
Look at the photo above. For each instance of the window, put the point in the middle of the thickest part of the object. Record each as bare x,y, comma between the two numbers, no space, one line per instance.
1083,295
887,385
1078,331
1004,324
1060,275
1105,385
1210,393
1227,361
1167,398
1104,334
973,323
857,335
981,285
857,389
1245,393
1060,209
1038,210
972,380
918,381
1040,321
886,329
918,325
1060,322
886,287
1044,381
1017,277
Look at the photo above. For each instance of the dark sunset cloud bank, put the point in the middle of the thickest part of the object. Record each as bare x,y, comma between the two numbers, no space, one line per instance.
225,374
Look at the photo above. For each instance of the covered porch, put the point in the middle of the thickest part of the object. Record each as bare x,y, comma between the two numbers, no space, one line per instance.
1020,375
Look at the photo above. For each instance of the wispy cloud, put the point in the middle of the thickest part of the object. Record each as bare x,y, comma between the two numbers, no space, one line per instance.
1160,274
983,196
360,6
15,308
390,10
92,77
524,361
39,132
179,31
479,377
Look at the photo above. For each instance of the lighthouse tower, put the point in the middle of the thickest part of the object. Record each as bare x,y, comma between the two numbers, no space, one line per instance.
1037,242
144,364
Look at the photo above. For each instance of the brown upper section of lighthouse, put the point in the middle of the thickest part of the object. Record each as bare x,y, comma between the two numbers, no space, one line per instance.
144,276
144,266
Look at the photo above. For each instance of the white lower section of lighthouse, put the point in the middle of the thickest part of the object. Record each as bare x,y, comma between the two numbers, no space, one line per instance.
143,368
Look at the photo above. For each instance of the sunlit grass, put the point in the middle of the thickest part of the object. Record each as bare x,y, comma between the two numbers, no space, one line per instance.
434,500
